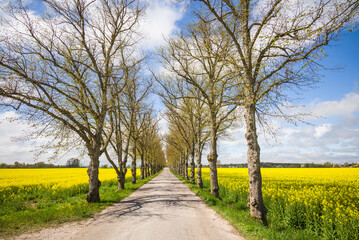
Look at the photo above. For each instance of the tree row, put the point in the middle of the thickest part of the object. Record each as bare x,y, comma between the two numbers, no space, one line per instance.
243,61
74,72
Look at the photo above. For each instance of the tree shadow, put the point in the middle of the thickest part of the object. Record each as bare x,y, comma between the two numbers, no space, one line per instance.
152,200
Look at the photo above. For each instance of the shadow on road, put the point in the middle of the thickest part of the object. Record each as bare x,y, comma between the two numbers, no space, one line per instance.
157,194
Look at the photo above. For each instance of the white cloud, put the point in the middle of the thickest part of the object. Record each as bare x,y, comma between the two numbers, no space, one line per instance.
14,148
322,129
348,105
335,138
11,151
163,126
160,22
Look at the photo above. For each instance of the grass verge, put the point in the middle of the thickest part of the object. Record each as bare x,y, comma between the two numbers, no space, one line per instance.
237,214
35,209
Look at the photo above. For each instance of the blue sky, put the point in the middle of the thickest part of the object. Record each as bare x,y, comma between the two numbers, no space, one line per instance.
343,53
334,137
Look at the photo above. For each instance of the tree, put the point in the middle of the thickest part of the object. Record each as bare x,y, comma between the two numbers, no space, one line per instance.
194,110
202,136
127,100
156,156
57,69
180,123
73,163
176,150
148,131
136,92
327,164
276,46
197,56
187,111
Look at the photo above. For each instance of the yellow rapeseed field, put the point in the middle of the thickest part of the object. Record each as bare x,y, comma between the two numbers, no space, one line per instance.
53,180
31,197
56,177
324,200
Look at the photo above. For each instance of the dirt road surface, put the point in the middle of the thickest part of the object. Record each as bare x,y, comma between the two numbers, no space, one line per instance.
162,209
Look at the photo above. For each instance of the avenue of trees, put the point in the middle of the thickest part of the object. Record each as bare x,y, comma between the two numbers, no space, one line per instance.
248,55
77,73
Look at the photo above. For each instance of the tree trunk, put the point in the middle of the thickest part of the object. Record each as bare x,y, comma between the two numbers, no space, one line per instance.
199,166
133,169
142,167
186,167
145,169
255,199
123,168
92,171
148,170
118,171
212,160
193,165
181,167
122,177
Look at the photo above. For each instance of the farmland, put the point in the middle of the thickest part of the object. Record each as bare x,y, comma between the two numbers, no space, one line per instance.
312,203
50,178
324,203
32,198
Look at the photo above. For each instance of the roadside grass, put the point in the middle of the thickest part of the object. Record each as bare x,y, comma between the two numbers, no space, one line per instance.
35,208
237,214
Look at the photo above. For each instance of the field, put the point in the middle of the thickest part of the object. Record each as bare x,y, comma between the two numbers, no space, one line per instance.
302,203
51,178
322,202
32,198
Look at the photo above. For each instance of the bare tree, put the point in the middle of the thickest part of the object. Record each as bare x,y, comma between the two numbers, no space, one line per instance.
176,149
193,109
59,66
181,123
121,117
188,111
276,45
148,130
135,94
201,134
198,58
156,157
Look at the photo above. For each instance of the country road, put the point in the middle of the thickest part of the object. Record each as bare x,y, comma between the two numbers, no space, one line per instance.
162,209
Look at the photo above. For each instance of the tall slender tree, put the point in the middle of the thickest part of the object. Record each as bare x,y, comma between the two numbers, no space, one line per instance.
120,122
136,93
148,131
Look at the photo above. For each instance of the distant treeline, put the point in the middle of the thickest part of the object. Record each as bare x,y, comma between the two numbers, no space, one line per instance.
35,165
76,163
72,162
291,165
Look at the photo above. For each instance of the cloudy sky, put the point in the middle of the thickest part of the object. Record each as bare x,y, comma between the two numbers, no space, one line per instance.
333,137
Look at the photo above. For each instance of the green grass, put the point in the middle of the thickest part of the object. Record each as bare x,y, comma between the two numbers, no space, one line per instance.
237,214
36,208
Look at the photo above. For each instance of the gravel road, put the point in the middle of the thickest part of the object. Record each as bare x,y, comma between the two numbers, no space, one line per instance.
162,209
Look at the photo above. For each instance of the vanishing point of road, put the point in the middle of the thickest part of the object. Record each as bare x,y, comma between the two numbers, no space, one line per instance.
162,209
